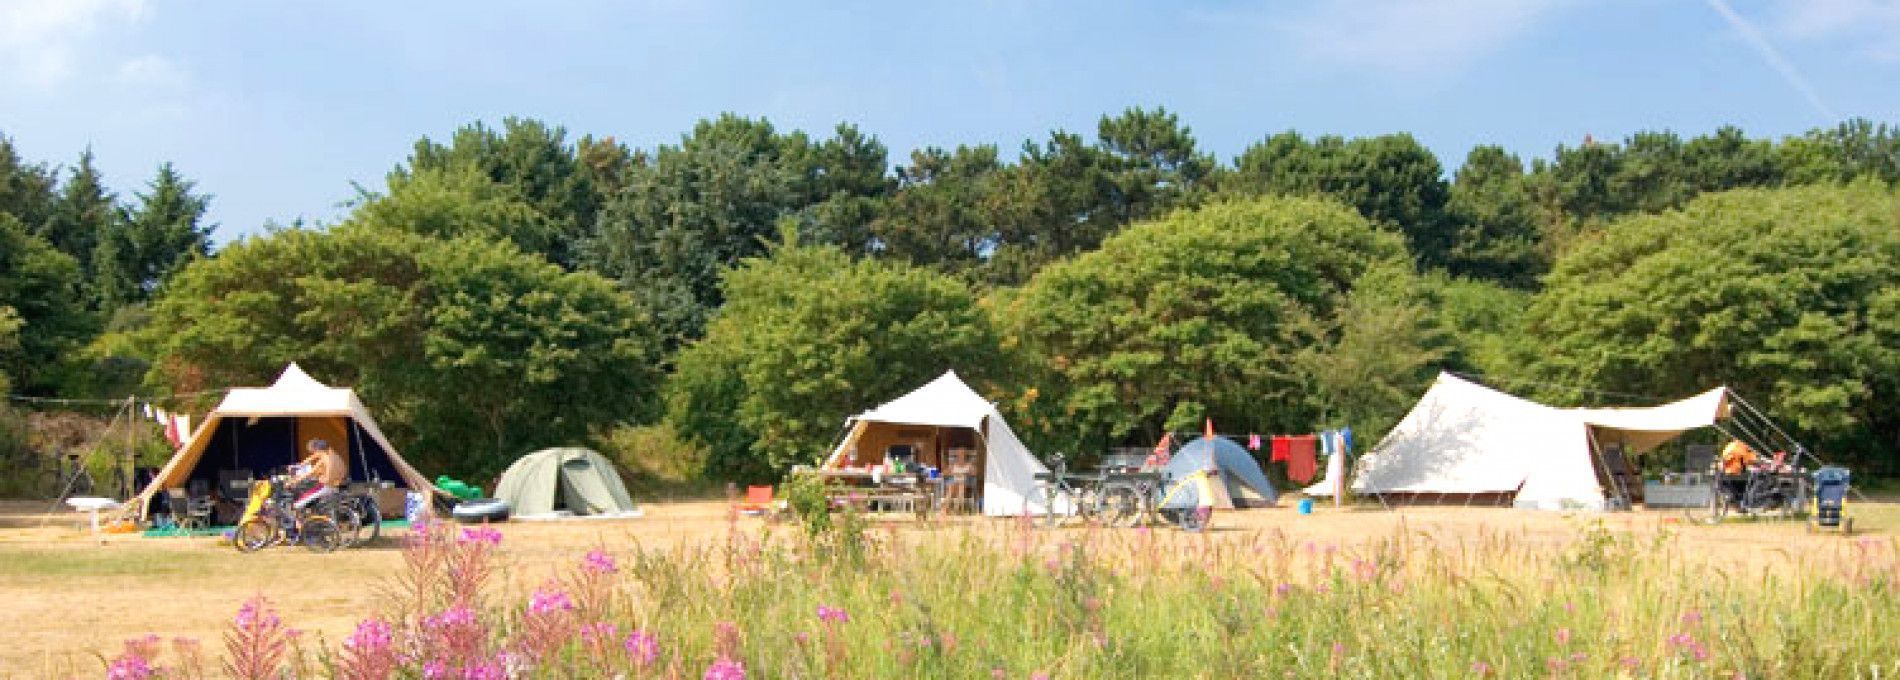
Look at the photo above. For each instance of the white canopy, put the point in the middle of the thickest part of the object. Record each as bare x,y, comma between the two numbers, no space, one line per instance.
1009,484
294,394
1464,438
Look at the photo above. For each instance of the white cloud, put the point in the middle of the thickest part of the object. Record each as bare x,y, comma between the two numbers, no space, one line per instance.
1412,36
1872,26
43,43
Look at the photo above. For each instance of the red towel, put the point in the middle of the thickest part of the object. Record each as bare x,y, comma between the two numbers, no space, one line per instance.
1280,444
1301,462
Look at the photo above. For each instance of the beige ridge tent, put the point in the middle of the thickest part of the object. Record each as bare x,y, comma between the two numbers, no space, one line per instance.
942,417
1465,439
256,431
565,482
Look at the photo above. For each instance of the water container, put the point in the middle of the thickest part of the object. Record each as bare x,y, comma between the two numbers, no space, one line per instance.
1306,506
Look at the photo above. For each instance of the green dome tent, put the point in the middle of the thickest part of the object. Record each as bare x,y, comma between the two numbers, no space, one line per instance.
565,482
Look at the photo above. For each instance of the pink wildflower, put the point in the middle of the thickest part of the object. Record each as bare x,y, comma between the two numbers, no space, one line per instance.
1480,668
480,535
1632,663
1691,617
1039,675
725,669
599,562
129,667
1283,589
832,615
801,637
643,648
1563,636
370,635
1000,674
1698,651
548,600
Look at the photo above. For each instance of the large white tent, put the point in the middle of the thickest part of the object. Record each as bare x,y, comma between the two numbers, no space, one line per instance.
258,429
946,407
1465,438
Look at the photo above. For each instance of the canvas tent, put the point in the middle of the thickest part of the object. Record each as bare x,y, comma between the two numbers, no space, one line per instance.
943,415
1465,438
256,431
1243,484
562,482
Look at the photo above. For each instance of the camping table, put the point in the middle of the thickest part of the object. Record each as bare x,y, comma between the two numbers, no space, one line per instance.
860,488
92,505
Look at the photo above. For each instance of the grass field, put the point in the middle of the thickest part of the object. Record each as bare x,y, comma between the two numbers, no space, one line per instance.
1357,592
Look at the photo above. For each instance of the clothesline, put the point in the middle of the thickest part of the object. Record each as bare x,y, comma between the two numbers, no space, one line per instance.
112,402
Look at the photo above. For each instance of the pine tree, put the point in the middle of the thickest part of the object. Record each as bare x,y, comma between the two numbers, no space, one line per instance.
152,241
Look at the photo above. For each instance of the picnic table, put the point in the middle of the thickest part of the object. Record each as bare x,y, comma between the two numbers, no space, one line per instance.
870,491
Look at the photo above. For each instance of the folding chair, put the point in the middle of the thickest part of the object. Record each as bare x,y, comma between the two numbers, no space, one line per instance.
758,500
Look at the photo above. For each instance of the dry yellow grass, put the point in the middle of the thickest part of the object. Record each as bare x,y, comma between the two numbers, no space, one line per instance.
68,598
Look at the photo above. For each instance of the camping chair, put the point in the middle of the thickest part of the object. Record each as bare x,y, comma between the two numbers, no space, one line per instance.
1697,460
188,512
758,500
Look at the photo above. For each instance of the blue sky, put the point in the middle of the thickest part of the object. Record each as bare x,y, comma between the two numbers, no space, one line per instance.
276,107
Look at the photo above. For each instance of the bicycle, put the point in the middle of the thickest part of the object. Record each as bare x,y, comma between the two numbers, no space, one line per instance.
1186,502
1778,489
269,519
356,515
1057,484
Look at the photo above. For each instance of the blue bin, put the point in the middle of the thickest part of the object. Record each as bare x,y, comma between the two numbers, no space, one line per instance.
1306,506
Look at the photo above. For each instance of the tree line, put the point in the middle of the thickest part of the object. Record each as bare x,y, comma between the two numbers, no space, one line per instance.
741,291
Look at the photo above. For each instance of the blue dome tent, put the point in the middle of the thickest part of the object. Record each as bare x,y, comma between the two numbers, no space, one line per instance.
1244,483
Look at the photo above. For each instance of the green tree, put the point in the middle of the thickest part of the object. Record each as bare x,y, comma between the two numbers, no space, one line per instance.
27,190
1854,149
462,201
808,337
471,352
1780,294
42,286
717,198
83,213
1497,237
1390,179
1728,159
1204,311
944,213
152,241
1159,167
534,161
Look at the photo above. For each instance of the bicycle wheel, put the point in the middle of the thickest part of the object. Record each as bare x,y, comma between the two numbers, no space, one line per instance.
1121,505
349,524
1056,500
372,519
321,534
1196,519
254,535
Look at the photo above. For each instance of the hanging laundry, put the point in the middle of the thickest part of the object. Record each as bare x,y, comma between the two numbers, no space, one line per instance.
1301,462
1345,439
161,417
148,412
171,432
1253,442
1281,445
1210,428
1326,442
184,427
1160,455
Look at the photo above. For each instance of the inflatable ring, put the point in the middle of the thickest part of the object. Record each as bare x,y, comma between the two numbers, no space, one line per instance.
480,510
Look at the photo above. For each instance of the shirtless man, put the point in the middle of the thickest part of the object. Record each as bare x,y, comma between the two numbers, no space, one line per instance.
326,466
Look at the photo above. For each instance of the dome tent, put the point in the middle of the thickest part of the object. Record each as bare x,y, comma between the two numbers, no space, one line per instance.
1242,482
565,482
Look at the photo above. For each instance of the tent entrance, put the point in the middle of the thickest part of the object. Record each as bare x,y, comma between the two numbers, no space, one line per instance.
957,451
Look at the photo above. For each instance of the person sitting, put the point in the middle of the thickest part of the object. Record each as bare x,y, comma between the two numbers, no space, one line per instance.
326,467
1737,458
